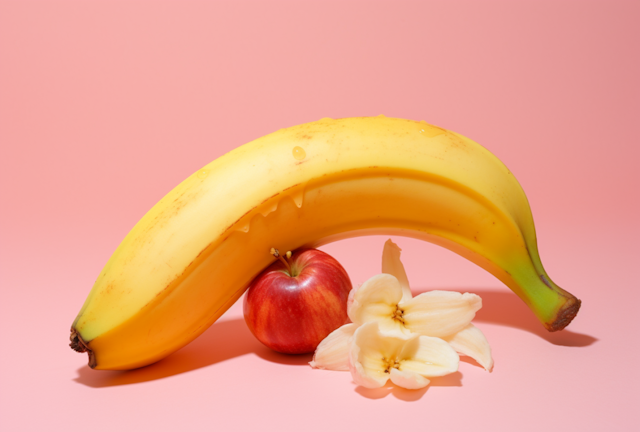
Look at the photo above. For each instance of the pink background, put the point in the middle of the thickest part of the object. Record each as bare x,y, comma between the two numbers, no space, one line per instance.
106,106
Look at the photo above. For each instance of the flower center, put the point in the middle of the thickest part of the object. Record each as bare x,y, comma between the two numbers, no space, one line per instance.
398,315
389,364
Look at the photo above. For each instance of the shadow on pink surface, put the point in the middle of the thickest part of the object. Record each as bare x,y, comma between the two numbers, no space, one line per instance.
500,306
223,341
451,380
229,339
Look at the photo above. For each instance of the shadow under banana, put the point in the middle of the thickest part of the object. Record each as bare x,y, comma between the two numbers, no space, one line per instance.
229,339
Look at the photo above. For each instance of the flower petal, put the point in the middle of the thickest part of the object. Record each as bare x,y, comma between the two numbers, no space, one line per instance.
370,354
440,313
392,265
377,300
407,379
471,342
333,352
364,377
429,357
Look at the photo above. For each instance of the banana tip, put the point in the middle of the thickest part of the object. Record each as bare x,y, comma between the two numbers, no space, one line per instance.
565,315
79,345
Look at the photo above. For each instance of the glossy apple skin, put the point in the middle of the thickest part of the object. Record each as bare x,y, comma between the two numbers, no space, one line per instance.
293,315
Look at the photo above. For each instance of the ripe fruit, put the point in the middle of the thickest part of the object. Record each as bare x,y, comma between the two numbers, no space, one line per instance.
198,249
296,302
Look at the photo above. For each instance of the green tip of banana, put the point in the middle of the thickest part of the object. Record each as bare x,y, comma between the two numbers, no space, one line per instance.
565,315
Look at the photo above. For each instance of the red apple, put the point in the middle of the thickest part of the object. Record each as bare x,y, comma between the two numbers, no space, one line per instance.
292,306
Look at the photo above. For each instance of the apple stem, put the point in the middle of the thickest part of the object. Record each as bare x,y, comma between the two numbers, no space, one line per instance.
276,253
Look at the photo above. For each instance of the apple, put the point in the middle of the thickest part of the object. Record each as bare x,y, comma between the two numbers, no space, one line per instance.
297,301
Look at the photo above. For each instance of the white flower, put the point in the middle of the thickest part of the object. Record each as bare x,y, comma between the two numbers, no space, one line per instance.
408,361
386,299
434,313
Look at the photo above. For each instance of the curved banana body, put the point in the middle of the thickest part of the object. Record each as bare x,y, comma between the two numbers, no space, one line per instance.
196,251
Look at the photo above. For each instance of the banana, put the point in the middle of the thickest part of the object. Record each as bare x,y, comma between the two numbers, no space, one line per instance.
197,250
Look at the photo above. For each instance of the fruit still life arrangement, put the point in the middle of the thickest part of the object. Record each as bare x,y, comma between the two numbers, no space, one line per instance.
254,218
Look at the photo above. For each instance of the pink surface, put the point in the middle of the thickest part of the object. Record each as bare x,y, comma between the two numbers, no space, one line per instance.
105,106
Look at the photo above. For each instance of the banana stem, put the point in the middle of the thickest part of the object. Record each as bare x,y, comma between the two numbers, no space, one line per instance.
79,345
567,309
276,253
553,306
